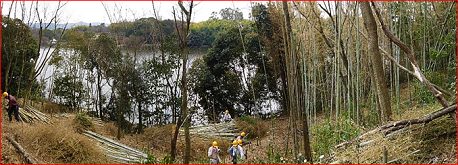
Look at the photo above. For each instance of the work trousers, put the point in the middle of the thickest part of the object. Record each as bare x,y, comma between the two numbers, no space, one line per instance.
14,109
234,160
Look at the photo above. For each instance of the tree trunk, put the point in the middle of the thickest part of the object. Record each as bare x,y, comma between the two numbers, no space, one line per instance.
377,63
140,119
184,91
20,76
173,146
99,92
6,76
295,86
284,83
121,106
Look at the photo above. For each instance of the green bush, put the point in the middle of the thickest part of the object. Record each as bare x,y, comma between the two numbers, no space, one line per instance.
327,135
249,120
421,93
151,159
167,159
83,122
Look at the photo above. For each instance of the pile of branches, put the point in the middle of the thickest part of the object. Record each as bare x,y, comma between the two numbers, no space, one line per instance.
117,151
30,114
220,130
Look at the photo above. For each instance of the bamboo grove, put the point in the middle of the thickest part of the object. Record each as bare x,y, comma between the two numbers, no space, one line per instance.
329,60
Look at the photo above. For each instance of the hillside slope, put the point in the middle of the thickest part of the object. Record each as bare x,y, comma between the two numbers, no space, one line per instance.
435,142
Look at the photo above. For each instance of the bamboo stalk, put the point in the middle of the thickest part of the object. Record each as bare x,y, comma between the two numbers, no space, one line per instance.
116,143
21,150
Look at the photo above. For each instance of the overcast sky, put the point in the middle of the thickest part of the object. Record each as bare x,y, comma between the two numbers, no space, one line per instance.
94,11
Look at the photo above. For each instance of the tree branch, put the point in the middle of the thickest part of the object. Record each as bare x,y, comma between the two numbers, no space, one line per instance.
401,124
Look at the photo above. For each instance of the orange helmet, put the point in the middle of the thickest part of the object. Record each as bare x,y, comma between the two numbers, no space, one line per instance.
234,143
215,144
240,142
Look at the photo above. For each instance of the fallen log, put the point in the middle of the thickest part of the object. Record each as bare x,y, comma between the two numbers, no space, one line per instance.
21,150
424,119
389,128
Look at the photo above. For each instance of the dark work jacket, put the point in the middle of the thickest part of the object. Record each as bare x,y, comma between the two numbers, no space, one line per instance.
12,101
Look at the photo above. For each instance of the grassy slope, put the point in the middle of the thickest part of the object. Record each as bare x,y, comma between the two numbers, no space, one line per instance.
436,141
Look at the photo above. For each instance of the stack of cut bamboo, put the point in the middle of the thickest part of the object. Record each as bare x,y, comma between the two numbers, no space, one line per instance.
63,115
117,151
29,114
97,121
220,130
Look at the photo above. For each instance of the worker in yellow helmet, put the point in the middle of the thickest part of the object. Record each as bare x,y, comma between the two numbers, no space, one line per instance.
227,117
233,151
240,150
241,137
213,153
13,106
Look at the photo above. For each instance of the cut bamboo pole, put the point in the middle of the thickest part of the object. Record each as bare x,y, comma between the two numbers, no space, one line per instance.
115,144
21,150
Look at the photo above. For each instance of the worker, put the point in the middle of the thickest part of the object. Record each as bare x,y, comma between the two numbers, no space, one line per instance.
241,137
213,153
233,152
227,117
13,107
240,150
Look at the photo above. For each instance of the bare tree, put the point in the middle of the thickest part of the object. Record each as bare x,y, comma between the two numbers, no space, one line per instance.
183,32
47,54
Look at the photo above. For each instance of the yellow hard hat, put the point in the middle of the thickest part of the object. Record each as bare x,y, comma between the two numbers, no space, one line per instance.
215,144
227,111
234,143
243,134
5,94
240,142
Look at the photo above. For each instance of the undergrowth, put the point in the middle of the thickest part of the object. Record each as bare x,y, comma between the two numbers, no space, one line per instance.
83,122
249,125
421,93
61,144
151,159
328,134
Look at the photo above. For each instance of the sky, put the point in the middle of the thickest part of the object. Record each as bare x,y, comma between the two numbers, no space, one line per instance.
94,11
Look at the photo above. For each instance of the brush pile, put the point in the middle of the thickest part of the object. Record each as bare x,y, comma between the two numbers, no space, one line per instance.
117,151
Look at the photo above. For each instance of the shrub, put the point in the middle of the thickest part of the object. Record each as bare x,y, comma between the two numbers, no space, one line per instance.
327,135
83,122
151,159
423,95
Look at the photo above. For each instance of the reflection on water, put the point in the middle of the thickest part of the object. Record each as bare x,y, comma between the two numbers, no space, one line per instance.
198,117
